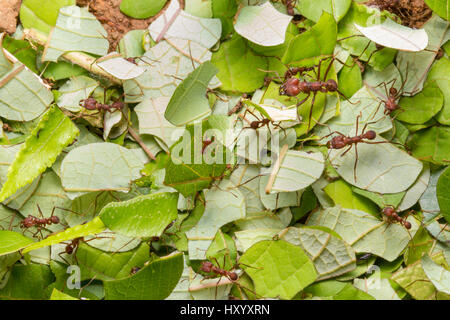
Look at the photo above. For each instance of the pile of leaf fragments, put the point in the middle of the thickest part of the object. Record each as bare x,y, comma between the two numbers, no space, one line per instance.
232,149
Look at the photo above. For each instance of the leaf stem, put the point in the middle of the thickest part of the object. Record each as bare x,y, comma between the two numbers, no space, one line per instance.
141,143
79,58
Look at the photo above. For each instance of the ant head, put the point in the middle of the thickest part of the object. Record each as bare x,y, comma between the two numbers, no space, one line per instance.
393,91
233,276
331,85
118,105
370,135
389,211
69,249
54,219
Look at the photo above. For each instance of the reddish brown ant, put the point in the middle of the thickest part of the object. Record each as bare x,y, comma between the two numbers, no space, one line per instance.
392,95
7,127
92,104
290,5
40,223
238,107
341,141
294,86
393,216
209,267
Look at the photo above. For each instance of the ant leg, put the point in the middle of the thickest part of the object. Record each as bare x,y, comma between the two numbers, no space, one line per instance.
347,99
356,161
311,110
348,149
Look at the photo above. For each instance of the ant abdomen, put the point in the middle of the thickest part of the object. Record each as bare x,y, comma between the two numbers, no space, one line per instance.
370,135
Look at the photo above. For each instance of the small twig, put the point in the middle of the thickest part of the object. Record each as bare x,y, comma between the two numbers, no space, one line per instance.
141,143
276,168
212,284
79,58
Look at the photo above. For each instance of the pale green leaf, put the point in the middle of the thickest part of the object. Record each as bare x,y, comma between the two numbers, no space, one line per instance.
393,35
364,232
414,193
222,206
380,289
99,166
23,96
76,29
380,168
298,170
118,67
439,276
331,256
74,91
176,23
263,25
312,9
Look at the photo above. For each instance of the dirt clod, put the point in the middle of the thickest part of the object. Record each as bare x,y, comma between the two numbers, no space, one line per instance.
413,13
9,11
113,20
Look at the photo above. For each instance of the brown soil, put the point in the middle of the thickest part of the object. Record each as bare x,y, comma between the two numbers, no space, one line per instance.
115,22
9,10
413,13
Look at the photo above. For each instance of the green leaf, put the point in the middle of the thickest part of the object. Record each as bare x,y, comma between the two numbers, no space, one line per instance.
52,134
342,194
263,25
234,56
63,70
76,30
431,145
187,170
443,193
23,96
441,7
27,282
350,79
312,9
382,200
130,45
144,216
422,107
141,9
278,268
189,102
41,14
225,11
58,295
440,74
223,205
11,241
415,281
337,290
154,282
223,251
331,255
99,265
91,228
439,276
319,40
23,51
